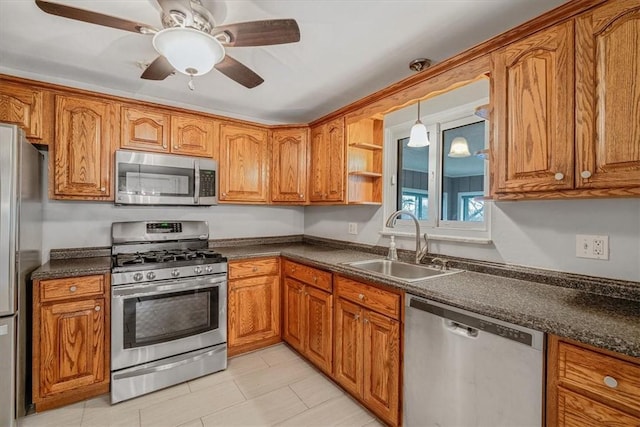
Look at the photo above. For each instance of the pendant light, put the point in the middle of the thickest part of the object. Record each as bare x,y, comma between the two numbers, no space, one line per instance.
459,147
419,136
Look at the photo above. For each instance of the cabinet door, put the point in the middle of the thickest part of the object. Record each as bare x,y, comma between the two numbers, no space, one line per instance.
72,352
293,318
145,129
289,165
244,164
382,365
254,311
575,410
25,107
533,111
608,96
348,367
318,343
317,181
335,165
192,135
83,147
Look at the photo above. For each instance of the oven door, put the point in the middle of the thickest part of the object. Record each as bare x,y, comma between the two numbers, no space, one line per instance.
156,320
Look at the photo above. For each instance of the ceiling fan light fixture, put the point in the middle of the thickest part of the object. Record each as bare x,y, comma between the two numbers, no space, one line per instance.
189,51
459,147
419,136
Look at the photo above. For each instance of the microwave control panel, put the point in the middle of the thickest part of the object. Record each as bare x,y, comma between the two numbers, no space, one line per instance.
207,183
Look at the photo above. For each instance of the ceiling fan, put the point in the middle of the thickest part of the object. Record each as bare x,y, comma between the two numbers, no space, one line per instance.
190,41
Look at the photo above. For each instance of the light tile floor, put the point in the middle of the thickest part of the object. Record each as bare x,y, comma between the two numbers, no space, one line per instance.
273,386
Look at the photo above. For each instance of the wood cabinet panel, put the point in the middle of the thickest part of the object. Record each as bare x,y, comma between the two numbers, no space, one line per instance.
28,107
349,346
71,341
308,275
192,135
244,164
145,129
533,104
317,161
253,267
254,311
608,96
82,151
373,298
318,319
575,410
327,182
289,165
293,317
382,365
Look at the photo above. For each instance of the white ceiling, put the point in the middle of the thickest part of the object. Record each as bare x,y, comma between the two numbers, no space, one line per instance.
348,49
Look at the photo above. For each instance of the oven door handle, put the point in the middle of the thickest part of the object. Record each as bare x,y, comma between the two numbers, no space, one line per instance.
166,287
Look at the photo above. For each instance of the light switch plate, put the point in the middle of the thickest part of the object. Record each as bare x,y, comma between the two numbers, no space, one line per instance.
353,228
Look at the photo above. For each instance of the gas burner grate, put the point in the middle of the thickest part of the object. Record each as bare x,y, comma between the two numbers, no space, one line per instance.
165,256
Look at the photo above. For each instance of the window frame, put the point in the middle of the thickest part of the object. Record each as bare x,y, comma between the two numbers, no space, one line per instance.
434,226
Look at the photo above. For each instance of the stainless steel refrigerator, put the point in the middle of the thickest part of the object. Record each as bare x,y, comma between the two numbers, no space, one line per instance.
20,248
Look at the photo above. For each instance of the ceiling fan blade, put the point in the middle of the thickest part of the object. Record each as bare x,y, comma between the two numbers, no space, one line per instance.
159,69
91,17
261,33
238,72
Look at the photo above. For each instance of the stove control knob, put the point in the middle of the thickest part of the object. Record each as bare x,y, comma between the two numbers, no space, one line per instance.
198,269
209,269
151,275
137,277
175,272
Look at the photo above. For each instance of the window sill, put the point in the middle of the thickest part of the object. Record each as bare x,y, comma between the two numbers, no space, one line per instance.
440,237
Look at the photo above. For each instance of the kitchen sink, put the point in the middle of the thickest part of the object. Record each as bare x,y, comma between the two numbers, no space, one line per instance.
401,270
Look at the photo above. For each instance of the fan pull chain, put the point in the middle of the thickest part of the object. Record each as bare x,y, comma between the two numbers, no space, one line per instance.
191,85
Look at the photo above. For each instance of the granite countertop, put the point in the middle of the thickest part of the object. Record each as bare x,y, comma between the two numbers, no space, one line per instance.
600,320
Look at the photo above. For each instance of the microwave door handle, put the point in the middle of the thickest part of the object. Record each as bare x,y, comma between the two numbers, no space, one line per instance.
196,195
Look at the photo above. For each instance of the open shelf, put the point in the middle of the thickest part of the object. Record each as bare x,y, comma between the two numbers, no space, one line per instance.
366,146
364,165
366,173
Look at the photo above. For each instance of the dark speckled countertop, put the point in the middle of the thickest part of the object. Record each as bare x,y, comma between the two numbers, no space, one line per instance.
600,320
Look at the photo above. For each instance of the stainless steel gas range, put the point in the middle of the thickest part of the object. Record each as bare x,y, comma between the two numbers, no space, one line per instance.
168,306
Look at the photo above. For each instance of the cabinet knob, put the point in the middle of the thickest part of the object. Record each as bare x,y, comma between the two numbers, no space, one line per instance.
224,194
559,176
73,288
97,308
164,145
356,317
610,382
103,189
585,174
254,269
361,296
315,279
306,293
301,195
175,147
366,320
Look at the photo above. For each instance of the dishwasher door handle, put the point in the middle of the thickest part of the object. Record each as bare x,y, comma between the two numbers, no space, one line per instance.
460,329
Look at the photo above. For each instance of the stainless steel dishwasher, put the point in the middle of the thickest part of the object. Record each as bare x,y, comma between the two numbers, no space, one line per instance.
462,369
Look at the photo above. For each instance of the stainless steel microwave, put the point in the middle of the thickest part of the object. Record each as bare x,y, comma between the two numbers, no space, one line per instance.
165,179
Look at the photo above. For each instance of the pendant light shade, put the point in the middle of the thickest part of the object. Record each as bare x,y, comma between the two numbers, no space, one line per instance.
189,51
459,147
419,136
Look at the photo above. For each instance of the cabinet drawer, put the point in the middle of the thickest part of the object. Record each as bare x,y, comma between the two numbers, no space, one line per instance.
59,289
587,370
253,267
309,275
575,410
373,298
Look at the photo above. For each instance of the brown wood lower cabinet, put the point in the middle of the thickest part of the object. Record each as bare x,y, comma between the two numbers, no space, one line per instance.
308,309
71,331
590,387
254,304
367,347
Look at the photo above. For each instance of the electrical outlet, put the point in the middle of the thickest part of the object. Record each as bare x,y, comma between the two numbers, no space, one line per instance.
595,247
353,228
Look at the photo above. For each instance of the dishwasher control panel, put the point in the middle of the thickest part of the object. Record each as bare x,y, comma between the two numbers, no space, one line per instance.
506,332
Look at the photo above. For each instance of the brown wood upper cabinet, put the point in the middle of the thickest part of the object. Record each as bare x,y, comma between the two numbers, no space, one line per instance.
71,325
86,134
289,165
608,96
244,164
327,180
27,107
551,141
149,129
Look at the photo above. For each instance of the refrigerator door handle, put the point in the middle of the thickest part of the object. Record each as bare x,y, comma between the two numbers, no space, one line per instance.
8,215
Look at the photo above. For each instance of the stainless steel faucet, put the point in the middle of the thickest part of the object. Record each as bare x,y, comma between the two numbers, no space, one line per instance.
420,252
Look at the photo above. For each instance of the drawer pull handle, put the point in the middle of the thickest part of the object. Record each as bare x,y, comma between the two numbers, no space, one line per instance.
585,174
361,296
610,382
97,308
73,288
315,279
254,269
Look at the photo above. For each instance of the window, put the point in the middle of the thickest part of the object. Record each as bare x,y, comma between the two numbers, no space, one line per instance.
443,187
